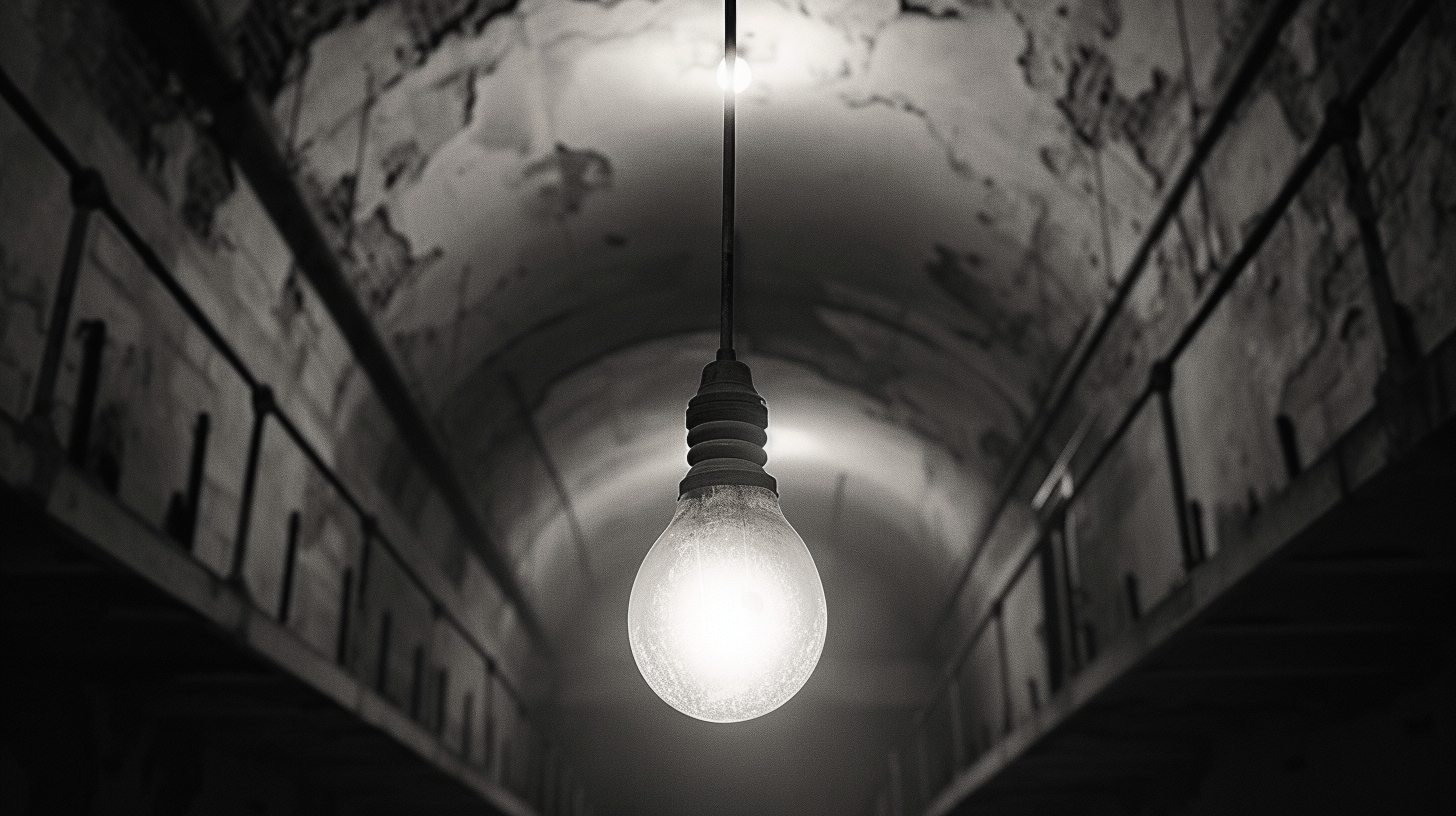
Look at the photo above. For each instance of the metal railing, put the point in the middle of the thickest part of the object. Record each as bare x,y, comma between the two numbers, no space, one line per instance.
980,699
367,601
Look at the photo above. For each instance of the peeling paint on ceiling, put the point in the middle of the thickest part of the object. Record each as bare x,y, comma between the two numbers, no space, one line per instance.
933,197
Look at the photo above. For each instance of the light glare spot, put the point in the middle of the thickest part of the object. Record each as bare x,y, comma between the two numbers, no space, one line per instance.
742,74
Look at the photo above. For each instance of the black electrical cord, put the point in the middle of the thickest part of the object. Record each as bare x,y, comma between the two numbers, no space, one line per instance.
727,420
730,60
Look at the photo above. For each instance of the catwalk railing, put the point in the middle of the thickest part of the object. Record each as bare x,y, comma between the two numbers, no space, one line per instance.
288,533
1034,630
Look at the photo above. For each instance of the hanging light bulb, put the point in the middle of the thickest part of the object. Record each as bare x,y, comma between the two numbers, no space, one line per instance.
727,615
742,74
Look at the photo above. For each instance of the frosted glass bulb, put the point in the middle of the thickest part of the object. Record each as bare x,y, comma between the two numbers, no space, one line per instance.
727,617
742,74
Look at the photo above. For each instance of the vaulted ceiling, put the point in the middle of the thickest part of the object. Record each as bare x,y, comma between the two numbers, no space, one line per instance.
929,191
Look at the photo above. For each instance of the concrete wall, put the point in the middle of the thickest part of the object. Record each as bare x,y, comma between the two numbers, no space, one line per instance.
111,105
1296,338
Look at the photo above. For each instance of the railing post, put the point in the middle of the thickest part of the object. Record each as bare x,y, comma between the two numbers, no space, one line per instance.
1003,652
88,194
424,657
487,707
957,724
369,529
467,717
1066,539
290,561
93,345
1054,604
381,671
354,592
182,510
1288,445
1134,597
346,603
1160,381
442,699
417,683
1399,389
263,405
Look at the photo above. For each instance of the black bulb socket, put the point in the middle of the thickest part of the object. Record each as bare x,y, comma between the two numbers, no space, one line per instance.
727,429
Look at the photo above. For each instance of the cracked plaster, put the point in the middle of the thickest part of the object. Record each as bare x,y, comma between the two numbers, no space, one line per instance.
928,195
920,237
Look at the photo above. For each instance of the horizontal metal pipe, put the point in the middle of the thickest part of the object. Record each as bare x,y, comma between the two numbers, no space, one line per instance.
163,274
1298,176
37,125
179,31
1250,67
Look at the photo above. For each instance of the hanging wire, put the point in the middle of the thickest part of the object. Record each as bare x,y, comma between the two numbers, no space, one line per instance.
730,57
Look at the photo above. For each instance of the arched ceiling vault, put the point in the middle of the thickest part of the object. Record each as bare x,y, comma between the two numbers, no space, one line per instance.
529,198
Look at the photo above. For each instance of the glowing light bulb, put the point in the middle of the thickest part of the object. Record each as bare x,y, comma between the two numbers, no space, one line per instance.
742,74
727,616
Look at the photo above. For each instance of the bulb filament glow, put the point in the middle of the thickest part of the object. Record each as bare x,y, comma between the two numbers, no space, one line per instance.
727,616
742,74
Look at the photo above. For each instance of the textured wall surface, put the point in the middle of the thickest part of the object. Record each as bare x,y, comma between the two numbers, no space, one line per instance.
935,199
158,372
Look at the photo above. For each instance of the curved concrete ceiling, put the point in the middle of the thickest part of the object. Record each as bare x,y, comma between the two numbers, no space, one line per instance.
530,195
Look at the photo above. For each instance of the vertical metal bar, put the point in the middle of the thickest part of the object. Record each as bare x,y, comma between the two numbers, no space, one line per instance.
1195,115
442,697
957,724
87,193
1134,600
1162,384
1069,593
290,560
346,603
1288,445
93,345
263,405
425,657
487,706
1003,652
181,519
192,503
1402,352
417,682
381,671
1400,391
1053,608
366,551
1195,525
467,717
